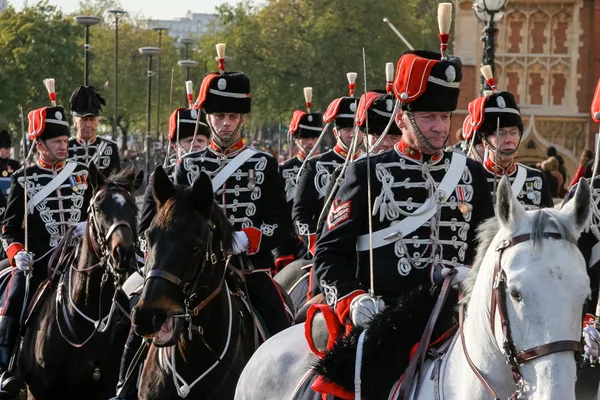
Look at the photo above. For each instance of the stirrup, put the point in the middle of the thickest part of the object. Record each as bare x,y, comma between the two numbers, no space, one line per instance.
15,392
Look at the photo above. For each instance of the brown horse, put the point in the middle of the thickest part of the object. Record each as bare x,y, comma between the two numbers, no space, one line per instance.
192,304
73,343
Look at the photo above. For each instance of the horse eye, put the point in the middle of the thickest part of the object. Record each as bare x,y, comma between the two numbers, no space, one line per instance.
196,249
516,295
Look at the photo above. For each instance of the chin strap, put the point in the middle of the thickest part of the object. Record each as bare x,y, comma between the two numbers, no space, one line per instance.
424,141
216,136
498,152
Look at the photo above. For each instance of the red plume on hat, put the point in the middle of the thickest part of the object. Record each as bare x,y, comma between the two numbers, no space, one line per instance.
412,73
595,109
296,117
476,108
366,101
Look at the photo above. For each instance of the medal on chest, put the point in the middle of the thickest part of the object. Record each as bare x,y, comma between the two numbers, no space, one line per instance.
5,173
463,206
529,188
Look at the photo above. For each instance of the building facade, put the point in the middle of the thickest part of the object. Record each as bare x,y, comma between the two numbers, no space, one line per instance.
191,26
547,56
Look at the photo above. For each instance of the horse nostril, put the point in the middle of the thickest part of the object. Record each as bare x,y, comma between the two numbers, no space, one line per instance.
116,254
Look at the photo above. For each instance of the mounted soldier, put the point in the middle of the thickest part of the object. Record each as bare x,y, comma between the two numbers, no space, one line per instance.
85,106
247,186
425,207
305,129
57,197
496,119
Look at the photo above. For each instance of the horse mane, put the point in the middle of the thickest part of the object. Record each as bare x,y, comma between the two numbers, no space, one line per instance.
544,220
179,213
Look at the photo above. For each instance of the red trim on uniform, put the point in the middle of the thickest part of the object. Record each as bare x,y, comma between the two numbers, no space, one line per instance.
310,283
342,308
332,324
343,153
414,154
3,309
282,261
320,385
312,243
237,146
46,165
494,168
12,250
301,156
338,213
588,319
88,142
254,237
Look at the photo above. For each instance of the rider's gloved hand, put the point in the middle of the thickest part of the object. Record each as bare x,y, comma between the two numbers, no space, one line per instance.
439,273
24,260
240,242
364,308
79,230
591,338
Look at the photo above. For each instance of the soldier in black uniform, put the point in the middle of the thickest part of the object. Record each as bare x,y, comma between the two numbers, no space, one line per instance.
7,165
305,128
378,106
426,204
85,105
314,180
58,199
246,184
500,110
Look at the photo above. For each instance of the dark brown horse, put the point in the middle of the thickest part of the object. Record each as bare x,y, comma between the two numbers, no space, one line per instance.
74,340
192,304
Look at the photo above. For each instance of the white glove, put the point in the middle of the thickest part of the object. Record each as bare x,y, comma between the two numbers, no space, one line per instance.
24,260
591,337
240,242
364,308
439,273
80,229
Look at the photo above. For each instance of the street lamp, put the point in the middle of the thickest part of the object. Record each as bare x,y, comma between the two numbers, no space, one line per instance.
148,52
160,31
489,12
117,14
186,42
187,64
86,21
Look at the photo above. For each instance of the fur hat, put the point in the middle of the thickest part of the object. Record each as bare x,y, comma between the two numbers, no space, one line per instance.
86,101
5,139
228,92
376,107
184,120
306,125
47,123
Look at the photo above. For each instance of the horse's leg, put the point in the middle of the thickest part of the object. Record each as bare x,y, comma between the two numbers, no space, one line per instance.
276,367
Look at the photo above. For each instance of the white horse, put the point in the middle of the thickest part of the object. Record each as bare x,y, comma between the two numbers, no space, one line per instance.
542,286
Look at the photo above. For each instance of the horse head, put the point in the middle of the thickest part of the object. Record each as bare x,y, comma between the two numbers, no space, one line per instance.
187,242
112,218
528,290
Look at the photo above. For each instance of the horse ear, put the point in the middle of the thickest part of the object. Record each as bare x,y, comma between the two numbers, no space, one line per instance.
139,180
579,207
95,178
508,209
162,187
203,193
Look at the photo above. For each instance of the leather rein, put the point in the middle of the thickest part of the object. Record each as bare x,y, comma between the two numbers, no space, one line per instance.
513,357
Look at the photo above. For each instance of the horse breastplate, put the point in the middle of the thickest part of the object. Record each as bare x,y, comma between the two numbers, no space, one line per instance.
85,152
241,195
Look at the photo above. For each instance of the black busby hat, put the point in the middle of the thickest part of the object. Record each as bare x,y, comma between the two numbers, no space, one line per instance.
228,92
184,120
426,82
5,139
306,125
502,106
86,101
379,106
47,123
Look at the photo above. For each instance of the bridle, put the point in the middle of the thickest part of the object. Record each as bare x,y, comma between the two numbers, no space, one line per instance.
190,288
99,243
513,357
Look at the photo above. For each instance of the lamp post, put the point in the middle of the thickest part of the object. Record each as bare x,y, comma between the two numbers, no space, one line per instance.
185,42
160,31
86,21
489,12
148,52
117,14
187,64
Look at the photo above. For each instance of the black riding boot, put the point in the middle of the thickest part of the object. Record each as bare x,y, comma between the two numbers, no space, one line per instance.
127,390
10,385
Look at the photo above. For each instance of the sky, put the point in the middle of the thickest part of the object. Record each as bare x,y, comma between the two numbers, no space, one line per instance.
155,9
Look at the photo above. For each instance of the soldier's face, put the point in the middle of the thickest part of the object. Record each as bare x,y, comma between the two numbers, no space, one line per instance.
387,143
345,135
227,127
86,126
200,142
4,152
435,126
306,144
506,140
55,149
